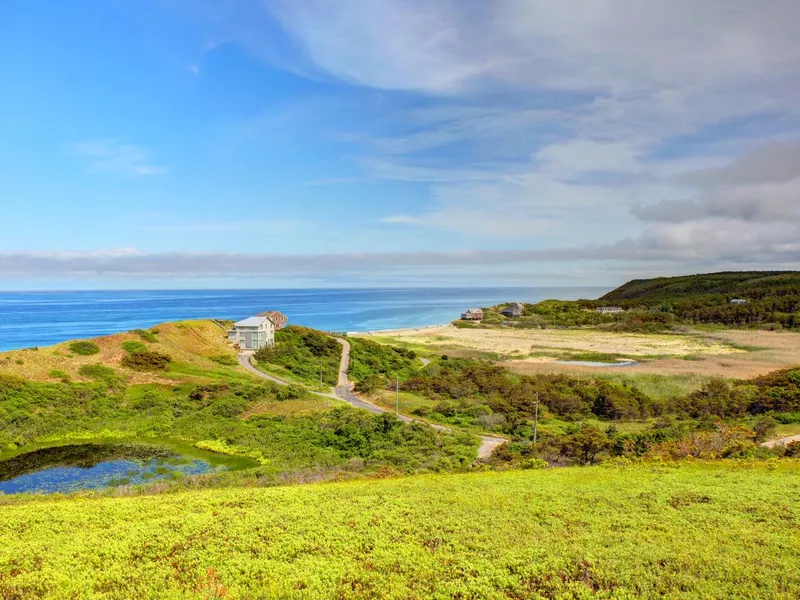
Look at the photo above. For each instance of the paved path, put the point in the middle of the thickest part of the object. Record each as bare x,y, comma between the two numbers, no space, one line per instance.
783,441
244,360
342,391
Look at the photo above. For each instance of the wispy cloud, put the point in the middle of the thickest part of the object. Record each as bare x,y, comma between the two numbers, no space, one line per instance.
112,157
710,245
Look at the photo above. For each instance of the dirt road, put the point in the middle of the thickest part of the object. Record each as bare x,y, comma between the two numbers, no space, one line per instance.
783,441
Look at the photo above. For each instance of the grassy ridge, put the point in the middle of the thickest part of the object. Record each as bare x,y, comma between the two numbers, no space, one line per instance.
717,530
730,283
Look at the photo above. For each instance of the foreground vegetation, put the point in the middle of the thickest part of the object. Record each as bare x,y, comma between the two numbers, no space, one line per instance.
718,530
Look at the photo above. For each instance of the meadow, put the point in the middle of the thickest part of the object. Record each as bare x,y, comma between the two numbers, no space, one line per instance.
715,530
681,360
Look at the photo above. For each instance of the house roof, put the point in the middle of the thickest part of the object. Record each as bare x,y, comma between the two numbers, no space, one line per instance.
271,313
251,322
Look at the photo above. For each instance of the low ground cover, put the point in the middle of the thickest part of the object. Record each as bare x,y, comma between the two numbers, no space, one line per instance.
717,530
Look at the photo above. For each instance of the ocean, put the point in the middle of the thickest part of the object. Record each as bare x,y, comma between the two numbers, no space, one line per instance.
42,318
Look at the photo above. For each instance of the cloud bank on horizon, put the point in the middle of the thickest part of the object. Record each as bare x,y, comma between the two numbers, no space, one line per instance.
338,141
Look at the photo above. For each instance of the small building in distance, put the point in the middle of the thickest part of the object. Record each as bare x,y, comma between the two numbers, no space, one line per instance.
513,310
610,310
738,301
253,333
472,314
279,320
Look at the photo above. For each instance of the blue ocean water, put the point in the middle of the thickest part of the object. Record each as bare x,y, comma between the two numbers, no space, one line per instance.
42,318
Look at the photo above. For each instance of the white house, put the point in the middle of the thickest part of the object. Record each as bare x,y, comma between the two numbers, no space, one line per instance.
610,310
253,333
738,301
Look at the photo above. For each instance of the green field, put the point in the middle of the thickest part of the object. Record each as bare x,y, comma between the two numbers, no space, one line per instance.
717,530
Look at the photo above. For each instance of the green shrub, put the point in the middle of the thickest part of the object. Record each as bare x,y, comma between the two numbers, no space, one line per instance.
98,372
60,375
225,359
84,348
228,407
371,360
133,347
304,353
146,361
290,392
147,336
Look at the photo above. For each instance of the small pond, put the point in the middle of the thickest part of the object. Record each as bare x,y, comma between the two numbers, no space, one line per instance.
98,465
591,363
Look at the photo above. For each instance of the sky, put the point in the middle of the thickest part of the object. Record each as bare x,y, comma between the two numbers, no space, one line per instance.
343,143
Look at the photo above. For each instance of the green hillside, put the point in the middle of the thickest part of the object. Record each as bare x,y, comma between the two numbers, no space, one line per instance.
717,530
185,386
745,284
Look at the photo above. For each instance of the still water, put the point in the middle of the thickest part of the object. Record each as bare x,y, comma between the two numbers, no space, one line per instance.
102,465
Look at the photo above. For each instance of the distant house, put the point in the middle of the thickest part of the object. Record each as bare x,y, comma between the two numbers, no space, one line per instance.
738,301
253,333
610,310
279,320
472,314
513,310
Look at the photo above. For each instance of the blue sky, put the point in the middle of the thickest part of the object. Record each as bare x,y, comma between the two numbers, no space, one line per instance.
277,143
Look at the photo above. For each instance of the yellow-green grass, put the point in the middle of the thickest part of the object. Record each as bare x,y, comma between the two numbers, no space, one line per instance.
720,530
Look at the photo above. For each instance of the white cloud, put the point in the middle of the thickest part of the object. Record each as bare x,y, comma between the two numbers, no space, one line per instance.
112,157
629,126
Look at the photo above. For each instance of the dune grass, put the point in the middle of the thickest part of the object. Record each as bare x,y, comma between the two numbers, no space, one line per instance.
718,530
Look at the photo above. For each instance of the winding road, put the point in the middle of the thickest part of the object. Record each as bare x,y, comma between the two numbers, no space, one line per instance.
343,392
782,441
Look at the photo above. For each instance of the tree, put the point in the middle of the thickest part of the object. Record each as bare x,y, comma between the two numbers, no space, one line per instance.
763,428
585,444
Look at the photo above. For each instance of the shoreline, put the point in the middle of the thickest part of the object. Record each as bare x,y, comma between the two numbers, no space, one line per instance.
396,330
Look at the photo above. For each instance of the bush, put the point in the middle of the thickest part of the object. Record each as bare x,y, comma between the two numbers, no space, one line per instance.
98,372
225,359
290,392
58,374
84,348
133,346
369,359
585,444
371,383
793,450
146,361
304,353
763,428
147,336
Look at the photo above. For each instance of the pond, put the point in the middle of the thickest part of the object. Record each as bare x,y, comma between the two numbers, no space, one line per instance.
98,465
591,363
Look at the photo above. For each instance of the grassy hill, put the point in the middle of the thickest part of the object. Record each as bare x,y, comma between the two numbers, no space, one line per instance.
717,530
746,284
199,351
